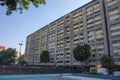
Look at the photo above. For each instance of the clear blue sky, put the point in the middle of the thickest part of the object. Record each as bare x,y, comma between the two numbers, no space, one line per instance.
15,28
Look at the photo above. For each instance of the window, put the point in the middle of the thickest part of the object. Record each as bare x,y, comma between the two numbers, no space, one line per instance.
100,39
89,10
100,44
96,7
101,49
116,30
115,25
115,41
99,34
112,3
116,36
116,48
115,20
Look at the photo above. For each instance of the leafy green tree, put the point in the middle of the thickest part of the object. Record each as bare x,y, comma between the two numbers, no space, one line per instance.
1,55
19,5
22,61
108,62
81,52
44,57
7,57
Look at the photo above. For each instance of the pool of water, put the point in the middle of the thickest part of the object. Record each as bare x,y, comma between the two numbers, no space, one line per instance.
34,77
56,77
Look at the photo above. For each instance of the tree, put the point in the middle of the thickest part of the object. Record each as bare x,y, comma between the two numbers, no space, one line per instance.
81,52
44,57
1,55
7,57
19,5
108,62
22,61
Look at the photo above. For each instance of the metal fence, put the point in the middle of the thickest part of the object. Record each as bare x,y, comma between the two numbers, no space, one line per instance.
38,70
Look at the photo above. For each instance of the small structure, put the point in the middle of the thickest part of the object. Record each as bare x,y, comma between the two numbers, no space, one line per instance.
2,48
102,71
116,73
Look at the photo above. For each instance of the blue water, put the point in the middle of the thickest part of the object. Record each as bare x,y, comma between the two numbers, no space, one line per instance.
99,77
51,77
33,77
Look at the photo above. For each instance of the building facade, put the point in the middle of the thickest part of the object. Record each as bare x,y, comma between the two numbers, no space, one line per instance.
97,23
113,26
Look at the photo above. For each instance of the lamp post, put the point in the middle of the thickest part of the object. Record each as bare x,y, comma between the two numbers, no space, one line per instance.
20,44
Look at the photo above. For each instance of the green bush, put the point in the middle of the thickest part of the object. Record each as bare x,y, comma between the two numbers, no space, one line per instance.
116,68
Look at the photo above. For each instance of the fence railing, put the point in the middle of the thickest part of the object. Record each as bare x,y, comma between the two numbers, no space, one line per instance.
37,70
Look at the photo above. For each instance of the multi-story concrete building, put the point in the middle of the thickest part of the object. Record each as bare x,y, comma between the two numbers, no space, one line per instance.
97,23
112,9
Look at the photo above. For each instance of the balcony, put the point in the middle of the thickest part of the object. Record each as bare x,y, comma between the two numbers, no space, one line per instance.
112,3
97,5
81,40
118,44
60,38
97,9
97,18
116,51
93,47
115,33
97,37
61,32
76,42
90,25
76,38
67,46
67,35
76,33
114,28
67,29
99,32
100,47
89,21
67,51
76,27
113,12
101,52
68,21
89,13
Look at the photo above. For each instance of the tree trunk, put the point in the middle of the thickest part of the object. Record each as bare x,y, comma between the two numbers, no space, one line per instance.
82,66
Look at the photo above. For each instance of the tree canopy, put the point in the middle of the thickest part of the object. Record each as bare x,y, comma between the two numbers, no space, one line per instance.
7,56
19,5
44,57
81,52
21,60
108,62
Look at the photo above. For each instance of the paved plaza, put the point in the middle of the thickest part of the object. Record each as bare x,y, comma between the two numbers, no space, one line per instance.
81,78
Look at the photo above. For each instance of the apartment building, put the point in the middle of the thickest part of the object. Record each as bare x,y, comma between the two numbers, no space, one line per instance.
96,23
113,22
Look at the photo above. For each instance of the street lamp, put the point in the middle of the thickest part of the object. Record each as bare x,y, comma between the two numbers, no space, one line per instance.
20,44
